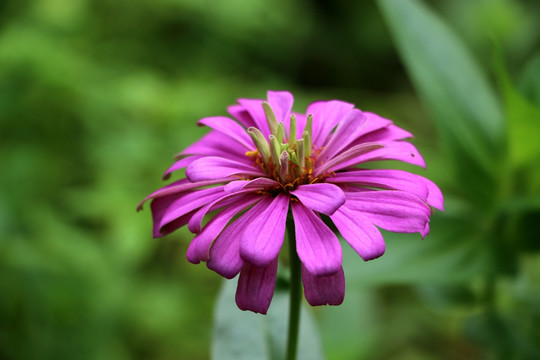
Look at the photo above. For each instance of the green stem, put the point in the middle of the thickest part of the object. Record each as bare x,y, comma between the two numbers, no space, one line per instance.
295,293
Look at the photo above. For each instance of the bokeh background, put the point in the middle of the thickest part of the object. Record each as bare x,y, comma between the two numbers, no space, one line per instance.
97,96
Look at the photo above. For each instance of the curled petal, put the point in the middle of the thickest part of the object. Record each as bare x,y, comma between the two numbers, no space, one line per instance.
317,246
348,130
255,109
230,128
388,133
256,287
281,102
180,164
324,290
347,158
391,150
179,187
326,115
322,197
396,211
195,222
225,252
396,180
214,167
199,248
263,237
215,144
360,233
169,208
254,185
239,113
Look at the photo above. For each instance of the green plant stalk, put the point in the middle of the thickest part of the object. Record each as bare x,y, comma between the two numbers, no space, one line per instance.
295,292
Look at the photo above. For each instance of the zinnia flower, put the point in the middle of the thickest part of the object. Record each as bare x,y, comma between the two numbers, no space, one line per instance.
249,171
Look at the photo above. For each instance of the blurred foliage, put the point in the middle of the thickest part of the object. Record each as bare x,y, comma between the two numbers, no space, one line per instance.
96,96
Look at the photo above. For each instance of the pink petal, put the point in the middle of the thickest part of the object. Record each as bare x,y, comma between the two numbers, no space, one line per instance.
323,290
215,144
180,164
240,114
214,167
229,128
226,199
281,102
347,157
225,252
396,180
256,287
255,110
360,233
388,133
159,208
199,248
326,115
391,210
317,246
263,237
254,185
175,206
322,197
178,187
392,150
348,130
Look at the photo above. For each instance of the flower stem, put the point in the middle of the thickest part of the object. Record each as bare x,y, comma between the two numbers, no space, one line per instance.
295,293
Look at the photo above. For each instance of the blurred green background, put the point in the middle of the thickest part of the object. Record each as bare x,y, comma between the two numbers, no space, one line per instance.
97,96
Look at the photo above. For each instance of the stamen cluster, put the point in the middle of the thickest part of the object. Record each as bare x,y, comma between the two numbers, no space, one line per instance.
287,160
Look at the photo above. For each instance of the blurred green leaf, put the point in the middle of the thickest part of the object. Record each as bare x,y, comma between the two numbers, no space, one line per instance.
242,335
453,88
529,82
522,117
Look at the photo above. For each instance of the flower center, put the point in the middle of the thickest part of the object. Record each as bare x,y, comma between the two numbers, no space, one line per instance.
286,159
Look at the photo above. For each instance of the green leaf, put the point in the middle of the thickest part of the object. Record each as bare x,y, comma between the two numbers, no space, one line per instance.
529,83
242,335
454,252
454,90
523,119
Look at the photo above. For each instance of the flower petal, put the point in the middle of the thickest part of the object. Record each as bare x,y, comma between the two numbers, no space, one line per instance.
326,115
391,210
281,103
229,128
317,246
215,144
360,233
159,208
396,180
388,133
264,236
255,184
255,109
178,187
195,223
225,251
322,197
347,157
324,290
199,248
179,205
348,130
391,150
180,164
256,287
239,113
214,167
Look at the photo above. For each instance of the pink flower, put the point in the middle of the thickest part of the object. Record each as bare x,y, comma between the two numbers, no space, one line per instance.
249,171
